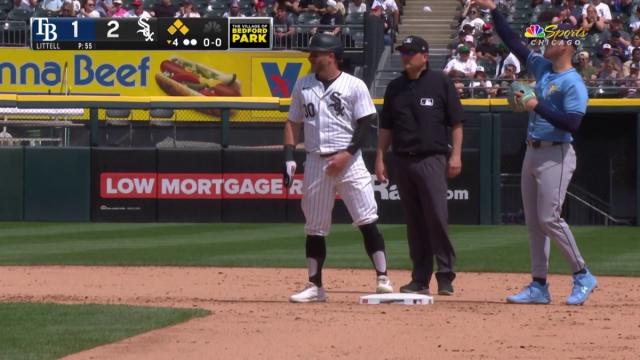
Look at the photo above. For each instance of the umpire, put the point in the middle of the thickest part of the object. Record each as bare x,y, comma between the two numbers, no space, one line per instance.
419,108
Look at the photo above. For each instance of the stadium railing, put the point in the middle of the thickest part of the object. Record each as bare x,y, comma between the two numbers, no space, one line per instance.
14,33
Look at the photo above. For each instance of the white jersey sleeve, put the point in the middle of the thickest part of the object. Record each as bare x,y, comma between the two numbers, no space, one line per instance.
297,102
363,103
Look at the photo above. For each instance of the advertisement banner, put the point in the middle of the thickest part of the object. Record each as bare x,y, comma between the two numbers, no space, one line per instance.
249,188
185,196
156,73
185,186
129,198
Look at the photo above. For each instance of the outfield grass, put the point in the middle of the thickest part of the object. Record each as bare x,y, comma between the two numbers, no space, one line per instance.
50,331
608,250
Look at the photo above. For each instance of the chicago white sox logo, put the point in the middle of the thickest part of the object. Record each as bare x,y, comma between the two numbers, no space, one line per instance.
337,103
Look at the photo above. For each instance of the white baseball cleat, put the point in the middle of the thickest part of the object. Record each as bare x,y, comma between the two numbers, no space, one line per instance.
310,293
384,285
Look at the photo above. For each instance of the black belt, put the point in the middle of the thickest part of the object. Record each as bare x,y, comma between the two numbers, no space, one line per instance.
542,143
412,154
329,154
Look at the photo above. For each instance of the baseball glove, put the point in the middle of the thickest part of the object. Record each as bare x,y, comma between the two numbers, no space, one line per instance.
518,103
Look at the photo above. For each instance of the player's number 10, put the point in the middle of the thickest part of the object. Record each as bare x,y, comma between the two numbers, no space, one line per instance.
113,27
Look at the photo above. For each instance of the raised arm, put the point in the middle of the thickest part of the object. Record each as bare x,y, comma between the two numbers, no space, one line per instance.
507,35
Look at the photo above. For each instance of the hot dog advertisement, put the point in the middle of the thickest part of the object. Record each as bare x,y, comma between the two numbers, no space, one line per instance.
181,77
147,73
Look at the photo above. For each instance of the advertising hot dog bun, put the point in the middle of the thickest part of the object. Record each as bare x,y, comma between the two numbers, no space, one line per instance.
179,77
209,74
174,88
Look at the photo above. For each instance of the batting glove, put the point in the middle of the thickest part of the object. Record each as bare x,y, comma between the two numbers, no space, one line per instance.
288,171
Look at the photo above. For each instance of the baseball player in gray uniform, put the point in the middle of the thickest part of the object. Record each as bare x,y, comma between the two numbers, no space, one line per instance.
556,107
336,110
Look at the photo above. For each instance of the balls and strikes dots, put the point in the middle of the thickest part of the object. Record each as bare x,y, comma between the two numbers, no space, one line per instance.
190,42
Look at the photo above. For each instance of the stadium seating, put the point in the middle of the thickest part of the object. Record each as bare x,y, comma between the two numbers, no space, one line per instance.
162,118
118,118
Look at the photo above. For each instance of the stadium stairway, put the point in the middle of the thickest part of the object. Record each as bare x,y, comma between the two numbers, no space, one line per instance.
438,27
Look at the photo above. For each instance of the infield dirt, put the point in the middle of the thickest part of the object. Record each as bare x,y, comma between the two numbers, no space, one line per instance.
252,318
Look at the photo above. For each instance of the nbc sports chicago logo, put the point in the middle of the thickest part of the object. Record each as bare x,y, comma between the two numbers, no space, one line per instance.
551,34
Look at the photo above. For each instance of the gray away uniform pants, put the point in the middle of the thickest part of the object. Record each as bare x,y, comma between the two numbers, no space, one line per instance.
546,173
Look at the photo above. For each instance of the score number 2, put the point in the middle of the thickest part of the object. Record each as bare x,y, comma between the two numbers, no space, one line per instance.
113,27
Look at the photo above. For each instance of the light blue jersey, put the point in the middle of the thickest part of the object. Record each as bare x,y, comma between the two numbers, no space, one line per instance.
564,91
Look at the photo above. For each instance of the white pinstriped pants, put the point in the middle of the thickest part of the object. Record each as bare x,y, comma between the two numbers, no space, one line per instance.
353,184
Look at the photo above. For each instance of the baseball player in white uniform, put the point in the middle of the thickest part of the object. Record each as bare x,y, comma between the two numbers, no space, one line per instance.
336,110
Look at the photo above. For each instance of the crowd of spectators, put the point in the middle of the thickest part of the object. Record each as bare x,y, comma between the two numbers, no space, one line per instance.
608,59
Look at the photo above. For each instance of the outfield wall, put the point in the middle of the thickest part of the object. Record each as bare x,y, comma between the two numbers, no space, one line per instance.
179,185
608,173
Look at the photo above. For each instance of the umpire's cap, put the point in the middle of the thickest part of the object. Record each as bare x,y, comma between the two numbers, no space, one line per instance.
414,43
326,43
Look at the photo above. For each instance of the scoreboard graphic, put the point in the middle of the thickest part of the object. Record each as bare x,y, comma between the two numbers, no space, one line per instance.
151,33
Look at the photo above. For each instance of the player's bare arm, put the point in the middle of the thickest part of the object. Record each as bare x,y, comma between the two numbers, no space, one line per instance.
291,133
384,141
455,159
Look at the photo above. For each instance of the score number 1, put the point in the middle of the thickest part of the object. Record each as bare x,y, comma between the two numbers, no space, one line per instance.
113,27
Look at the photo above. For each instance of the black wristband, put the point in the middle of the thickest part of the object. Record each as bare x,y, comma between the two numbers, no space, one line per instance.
288,152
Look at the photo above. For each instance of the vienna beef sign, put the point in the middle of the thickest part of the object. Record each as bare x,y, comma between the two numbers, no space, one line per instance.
197,186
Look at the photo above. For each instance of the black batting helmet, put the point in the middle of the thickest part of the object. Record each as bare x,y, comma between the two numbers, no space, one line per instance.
326,43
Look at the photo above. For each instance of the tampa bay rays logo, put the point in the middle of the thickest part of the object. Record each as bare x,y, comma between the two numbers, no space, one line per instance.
336,103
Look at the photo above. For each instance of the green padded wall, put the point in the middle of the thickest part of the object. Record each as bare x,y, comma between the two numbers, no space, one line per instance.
57,184
11,183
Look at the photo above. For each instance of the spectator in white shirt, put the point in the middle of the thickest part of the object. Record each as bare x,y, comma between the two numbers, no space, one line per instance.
88,10
474,20
52,5
137,10
357,6
505,57
390,7
29,5
480,86
602,9
463,63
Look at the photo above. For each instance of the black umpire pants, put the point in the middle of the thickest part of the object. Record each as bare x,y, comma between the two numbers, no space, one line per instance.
422,183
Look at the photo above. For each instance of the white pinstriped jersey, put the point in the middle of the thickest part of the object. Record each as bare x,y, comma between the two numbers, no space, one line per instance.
330,115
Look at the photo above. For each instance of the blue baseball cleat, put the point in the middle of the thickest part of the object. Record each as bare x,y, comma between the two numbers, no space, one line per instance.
533,293
583,285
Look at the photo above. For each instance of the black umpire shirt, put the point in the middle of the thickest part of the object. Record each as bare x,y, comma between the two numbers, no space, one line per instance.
419,112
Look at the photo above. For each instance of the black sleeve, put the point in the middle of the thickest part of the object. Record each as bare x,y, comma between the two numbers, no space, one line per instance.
510,38
454,112
386,120
361,133
565,121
